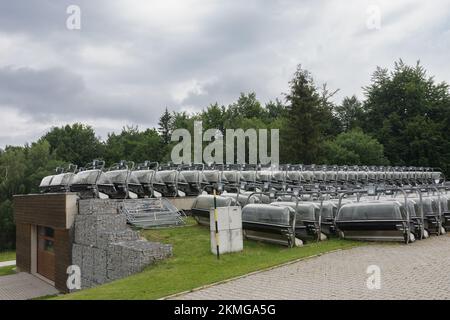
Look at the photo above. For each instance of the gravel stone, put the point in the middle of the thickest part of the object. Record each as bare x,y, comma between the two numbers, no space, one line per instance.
105,248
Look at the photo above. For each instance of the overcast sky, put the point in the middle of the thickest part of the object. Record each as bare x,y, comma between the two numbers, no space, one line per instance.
132,58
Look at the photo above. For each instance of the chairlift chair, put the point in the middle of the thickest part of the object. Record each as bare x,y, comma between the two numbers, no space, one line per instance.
205,202
126,183
175,184
62,181
300,221
375,220
195,178
91,182
44,186
145,173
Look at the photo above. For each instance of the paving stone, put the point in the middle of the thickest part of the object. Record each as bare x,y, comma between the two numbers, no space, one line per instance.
24,286
420,270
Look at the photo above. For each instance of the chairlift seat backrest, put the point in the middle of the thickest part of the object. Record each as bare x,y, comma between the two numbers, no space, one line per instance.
171,176
232,176
46,181
331,176
293,176
264,176
307,211
63,179
206,202
268,214
307,176
214,176
88,177
249,176
371,210
278,175
329,209
352,176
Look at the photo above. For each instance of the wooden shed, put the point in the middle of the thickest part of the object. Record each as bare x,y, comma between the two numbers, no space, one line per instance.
44,235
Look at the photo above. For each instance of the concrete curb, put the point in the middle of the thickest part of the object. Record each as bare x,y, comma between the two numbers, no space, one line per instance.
7,263
253,273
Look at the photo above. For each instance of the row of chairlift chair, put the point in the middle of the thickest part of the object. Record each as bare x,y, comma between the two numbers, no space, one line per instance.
369,213
293,206
149,179
290,204
125,180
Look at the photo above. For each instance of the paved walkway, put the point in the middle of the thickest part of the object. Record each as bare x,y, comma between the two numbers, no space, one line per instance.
24,286
420,270
7,263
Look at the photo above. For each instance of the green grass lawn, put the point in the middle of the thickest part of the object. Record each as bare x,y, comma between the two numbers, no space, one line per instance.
193,265
5,271
7,255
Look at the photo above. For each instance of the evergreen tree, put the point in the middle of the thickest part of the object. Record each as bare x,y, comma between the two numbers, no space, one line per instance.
301,138
165,124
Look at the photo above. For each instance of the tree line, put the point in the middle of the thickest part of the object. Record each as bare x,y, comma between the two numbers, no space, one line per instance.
404,119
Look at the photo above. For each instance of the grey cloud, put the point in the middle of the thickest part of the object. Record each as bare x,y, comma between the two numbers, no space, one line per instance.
38,90
235,47
44,94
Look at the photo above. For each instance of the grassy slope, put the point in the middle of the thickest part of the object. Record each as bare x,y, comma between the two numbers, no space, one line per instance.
7,255
193,265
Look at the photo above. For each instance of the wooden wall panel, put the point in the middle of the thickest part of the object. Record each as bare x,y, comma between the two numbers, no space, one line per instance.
41,209
63,254
23,247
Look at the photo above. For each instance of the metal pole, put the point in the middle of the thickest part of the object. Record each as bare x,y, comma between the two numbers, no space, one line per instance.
320,217
294,223
216,225
422,214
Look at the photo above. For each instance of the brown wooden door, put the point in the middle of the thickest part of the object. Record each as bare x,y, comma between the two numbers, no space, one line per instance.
45,252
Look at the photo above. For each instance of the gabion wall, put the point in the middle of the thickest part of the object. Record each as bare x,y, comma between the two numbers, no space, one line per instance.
105,248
